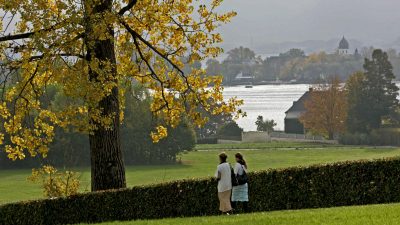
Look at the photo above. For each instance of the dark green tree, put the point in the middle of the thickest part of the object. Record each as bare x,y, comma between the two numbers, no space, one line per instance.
376,98
240,55
229,130
355,103
137,145
265,125
293,53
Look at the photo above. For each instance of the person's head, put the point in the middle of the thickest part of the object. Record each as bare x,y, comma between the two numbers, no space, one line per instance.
222,157
239,158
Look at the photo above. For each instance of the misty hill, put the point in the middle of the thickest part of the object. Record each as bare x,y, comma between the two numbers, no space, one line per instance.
308,46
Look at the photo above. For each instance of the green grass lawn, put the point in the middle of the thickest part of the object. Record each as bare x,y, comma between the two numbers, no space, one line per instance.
358,215
202,163
270,145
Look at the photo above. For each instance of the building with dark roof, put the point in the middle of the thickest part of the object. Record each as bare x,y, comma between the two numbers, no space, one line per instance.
292,119
344,47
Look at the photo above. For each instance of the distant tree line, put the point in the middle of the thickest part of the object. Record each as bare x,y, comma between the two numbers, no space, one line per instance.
293,65
71,149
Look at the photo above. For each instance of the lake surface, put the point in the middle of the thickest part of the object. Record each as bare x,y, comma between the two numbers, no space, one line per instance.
270,101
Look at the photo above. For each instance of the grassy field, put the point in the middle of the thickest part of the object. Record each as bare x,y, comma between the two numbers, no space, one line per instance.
202,163
358,215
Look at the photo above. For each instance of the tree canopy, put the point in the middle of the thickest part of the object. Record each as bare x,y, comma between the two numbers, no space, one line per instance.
372,94
265,125
326,110
89,48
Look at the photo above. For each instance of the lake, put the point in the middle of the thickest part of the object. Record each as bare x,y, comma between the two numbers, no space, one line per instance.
270,101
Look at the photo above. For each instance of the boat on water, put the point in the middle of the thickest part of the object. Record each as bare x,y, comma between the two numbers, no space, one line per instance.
249,85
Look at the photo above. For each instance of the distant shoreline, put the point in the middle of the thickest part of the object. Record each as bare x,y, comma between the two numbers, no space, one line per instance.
265,83
274,83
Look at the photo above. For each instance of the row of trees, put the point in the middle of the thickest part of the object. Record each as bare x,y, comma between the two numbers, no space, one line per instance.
71,149
293,65
367,102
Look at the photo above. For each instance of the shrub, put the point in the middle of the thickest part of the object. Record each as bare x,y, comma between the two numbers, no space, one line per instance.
384,136
265,125
355,139
230,129
56,183
208,140
339,184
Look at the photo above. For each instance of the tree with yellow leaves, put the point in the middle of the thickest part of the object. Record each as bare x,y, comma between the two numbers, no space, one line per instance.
326,109
89,49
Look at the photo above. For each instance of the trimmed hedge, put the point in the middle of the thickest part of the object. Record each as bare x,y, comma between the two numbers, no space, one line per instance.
381,137
209,140
339,184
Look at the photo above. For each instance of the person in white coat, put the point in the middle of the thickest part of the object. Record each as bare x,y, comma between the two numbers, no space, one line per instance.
223,175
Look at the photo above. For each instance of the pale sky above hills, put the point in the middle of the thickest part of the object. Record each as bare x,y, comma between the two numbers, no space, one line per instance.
274,21
265,22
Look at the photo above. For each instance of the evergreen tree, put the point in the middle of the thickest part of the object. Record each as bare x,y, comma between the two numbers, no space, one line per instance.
355,103
377,96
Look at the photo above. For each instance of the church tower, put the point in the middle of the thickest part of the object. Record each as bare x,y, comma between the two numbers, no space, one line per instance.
343,47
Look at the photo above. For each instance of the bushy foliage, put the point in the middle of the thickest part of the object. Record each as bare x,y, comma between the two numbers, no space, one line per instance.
210,129
239,59
338,184
350,138
71,149
377,137
326,109
372,94
265,125
230,130
55,183
138,145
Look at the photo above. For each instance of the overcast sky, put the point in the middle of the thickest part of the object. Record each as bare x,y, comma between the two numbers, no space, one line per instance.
262,22
274,21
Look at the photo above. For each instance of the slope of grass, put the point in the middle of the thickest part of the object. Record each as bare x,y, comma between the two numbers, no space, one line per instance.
357,215
202,163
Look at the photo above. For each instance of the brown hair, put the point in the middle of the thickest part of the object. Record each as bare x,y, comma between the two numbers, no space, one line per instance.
241,159
223,157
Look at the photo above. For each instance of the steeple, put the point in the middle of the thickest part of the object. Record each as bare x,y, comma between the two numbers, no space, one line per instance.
343,46
357,54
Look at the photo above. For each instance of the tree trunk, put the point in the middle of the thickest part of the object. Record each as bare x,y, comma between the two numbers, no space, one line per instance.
108,171
331,135
107,167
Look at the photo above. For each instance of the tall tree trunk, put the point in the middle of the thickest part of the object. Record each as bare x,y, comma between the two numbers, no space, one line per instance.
107,167
331,135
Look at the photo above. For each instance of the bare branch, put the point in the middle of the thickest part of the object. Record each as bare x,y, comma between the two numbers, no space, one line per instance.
16,36
135,36
148,44
27,35
153,74
60,54
127,7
